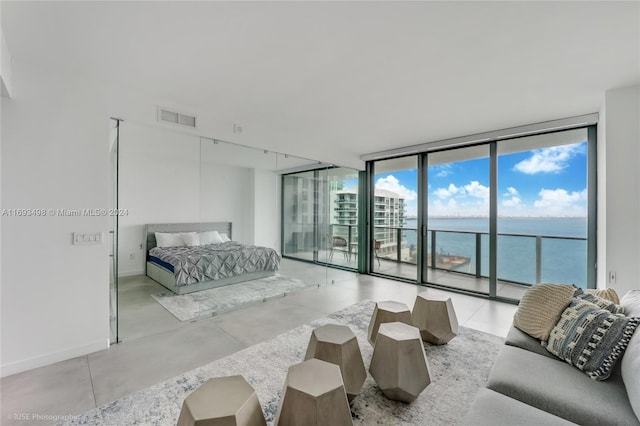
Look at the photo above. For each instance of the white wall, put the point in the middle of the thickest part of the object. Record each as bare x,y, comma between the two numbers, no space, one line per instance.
169,177
266,209
55,154
5,67
619,209
55,302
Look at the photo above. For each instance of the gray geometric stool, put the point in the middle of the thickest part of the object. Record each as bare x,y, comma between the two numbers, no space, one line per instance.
399,365
223,401
314,395
338,345
435,317
388,311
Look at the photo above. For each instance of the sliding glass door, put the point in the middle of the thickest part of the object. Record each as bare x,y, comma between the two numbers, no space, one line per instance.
542,211
491,218
320,216
394,211
458,207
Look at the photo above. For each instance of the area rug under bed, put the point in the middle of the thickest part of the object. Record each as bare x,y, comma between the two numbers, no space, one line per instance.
207,303
458,371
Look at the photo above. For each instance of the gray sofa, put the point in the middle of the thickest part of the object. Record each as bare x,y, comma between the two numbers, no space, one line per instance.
530,386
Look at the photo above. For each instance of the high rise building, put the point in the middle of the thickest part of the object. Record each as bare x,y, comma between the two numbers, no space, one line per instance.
389,213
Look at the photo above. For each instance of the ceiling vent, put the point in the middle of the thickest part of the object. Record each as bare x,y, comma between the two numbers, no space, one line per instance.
173,117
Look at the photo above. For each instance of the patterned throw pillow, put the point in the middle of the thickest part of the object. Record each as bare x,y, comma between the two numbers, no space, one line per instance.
605,293
540,308
599,301
590,338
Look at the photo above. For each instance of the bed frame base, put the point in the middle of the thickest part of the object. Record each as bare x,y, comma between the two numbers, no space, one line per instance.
168,279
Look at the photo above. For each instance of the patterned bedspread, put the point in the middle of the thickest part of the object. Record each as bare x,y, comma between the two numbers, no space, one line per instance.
216,261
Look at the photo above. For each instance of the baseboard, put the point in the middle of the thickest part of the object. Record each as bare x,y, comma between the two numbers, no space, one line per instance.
52,358
123,274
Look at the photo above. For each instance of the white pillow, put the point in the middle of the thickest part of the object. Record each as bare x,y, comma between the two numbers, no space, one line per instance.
191,239
165,239
210,237
630,367
631,303
225,238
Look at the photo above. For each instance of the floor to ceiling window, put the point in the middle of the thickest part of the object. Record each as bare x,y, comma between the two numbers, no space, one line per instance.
320,216
496,216
395,211
542,210
458,201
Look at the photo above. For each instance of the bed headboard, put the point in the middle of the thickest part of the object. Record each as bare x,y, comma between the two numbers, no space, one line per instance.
150,229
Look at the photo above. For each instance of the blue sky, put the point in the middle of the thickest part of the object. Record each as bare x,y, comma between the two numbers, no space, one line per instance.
544,182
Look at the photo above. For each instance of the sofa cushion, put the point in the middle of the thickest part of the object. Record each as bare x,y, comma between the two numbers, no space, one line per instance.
492,408
560,389
540,308
630,365
590,338
522,340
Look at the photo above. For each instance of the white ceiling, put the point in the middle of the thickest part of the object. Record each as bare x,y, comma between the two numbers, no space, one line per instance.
335,80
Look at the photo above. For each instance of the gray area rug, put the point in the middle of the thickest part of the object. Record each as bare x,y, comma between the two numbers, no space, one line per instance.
207,303
459,369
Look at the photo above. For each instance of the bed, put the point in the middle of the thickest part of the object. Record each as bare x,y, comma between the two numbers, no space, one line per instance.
185,269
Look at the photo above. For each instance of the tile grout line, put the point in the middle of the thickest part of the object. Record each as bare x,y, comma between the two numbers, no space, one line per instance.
93,389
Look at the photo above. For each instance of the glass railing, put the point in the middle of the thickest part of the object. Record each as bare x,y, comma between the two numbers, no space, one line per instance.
522,258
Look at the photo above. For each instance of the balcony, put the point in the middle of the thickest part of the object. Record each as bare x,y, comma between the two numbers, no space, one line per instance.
461,258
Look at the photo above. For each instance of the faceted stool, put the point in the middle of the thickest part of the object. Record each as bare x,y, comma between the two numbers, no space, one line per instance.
314,394
399,365
338,345
435,317
388,311
223,401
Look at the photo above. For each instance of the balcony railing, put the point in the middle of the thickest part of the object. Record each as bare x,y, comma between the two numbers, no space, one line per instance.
522,258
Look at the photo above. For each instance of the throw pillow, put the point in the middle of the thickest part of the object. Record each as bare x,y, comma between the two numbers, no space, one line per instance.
599,301
590,338
631,303
631,360
605,293
541,307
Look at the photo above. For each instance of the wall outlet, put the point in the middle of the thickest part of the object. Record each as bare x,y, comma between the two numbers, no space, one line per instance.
612,277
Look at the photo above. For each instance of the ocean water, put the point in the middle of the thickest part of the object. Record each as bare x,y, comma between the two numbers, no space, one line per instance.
562,260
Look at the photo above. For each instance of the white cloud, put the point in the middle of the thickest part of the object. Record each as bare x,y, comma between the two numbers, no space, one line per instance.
391,183
511,192
448,192
560,202
512,202
549,160
475,189
466,200
444,170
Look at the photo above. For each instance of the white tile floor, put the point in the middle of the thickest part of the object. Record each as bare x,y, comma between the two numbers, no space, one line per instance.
156,346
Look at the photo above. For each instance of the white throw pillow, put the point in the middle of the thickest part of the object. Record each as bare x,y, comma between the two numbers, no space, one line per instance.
631,303
225,238
165,239
191,239
210,237
630,367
